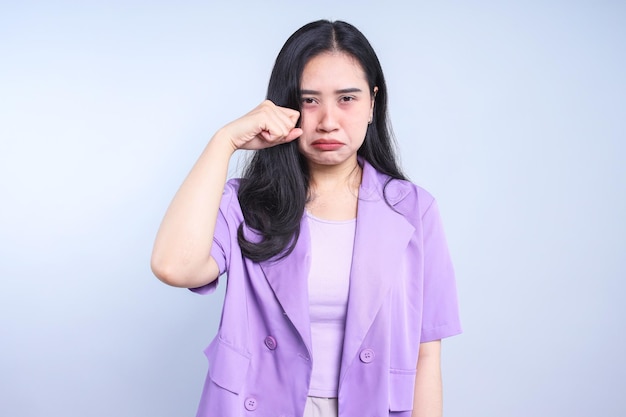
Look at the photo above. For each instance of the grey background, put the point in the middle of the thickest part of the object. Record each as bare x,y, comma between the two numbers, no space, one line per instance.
510,113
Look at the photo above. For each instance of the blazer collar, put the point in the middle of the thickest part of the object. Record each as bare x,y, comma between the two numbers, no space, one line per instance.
382,234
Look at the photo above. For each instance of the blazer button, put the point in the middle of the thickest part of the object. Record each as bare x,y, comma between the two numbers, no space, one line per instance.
270,342
251,404
366,355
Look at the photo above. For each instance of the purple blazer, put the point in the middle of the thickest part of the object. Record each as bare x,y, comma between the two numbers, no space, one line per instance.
402,293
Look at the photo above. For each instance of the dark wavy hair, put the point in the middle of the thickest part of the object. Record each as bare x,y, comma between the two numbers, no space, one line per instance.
275,185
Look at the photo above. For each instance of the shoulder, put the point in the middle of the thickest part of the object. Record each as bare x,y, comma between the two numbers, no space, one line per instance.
232,186
230,200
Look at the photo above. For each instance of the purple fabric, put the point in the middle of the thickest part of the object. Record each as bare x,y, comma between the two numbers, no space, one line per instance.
402,293
329,283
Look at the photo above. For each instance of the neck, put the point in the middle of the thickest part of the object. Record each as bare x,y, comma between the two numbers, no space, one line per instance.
334,191
333,178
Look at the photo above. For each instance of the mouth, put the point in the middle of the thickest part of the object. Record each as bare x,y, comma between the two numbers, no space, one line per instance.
326,144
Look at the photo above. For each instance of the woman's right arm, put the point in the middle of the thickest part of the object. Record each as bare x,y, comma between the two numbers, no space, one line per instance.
181,254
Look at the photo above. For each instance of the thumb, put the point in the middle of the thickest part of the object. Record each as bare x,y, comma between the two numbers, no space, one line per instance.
295,133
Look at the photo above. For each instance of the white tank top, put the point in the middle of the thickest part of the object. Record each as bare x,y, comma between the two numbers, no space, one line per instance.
332,243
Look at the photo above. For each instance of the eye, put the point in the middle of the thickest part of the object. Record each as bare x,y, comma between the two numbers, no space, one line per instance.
346,99
308,100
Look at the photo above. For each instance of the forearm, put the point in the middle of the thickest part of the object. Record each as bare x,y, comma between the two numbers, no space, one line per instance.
428,399
182,248
181,253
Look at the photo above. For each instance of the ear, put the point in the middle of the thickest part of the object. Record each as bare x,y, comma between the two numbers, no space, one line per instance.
373,101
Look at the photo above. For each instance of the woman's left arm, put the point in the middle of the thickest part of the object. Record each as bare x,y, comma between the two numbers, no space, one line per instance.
428,399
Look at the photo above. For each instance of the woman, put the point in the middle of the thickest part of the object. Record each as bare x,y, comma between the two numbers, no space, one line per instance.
340,285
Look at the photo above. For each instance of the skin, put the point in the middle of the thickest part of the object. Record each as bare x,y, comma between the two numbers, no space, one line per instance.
336,105
336,109
428,397
181,252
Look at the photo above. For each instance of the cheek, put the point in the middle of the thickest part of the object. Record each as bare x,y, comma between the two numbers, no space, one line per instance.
359,133
360,116
358,126
307,122
361,137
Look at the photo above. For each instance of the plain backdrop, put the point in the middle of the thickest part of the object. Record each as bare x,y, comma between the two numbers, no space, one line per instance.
512,113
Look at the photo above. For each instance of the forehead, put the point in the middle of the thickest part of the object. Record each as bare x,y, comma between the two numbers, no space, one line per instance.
333,69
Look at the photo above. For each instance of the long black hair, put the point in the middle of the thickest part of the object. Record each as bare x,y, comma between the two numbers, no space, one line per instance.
275,184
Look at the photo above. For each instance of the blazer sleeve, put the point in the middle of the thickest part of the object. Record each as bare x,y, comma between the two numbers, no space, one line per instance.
440,316
223,236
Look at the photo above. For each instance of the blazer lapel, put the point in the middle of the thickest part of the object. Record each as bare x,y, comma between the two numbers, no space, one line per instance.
381,236
288,278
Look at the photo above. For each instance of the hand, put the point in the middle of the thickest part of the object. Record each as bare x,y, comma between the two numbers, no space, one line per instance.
265,126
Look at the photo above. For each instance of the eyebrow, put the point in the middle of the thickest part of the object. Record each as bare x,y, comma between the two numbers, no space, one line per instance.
342,91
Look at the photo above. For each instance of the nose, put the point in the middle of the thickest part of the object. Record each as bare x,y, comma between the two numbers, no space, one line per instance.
328,118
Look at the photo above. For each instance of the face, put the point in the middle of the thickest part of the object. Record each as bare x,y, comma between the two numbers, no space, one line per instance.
336,108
